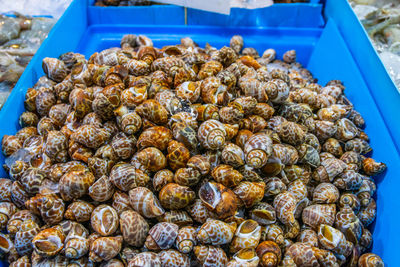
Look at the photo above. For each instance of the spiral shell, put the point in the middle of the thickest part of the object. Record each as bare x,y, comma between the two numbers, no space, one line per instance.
257,149
101,190
247,235
105,248
150,159
367,214
274,186
10,144
216,232
178,217
76,242
291,133
317,214
218,199
212,134
172,257
285,205
263,213
226,175
189,91
332,239
178,155
75,184
24,236
145,202
329,169
104,220
49,206
49,242
206,112
199,212
129,122
186,239
145,259
162,236
125,177
249,193
153,111
174,196
210,256
79,211
325,193
302,254
7,209
371,167
233,155
134,228
122,146
21,262
269,253
157,136
244,257
90,136
162,178
253,87
309,237
187,176
121,202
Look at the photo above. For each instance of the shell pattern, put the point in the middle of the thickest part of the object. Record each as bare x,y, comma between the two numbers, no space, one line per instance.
187,156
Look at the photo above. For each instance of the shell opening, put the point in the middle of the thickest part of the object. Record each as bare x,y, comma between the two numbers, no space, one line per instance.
210,195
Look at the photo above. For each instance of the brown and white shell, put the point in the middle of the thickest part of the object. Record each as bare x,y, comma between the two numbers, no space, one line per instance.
134,228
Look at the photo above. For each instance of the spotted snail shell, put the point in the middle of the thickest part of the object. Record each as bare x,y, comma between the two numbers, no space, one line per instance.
257,150
216,232
134,228
186,239
145,202
210,256
161,236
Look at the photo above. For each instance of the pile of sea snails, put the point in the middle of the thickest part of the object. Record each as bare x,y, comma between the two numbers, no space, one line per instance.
186,156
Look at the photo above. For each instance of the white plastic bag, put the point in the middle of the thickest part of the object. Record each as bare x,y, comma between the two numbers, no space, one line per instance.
53,8
219,6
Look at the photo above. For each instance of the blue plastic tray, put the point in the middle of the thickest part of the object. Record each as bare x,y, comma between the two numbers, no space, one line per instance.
277,15
336,49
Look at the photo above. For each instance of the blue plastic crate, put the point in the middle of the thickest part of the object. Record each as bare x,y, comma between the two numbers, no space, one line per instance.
338,48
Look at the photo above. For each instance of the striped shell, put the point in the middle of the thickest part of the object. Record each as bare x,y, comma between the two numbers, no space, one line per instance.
125,177
153,111
317,214
247,235
145,202
105,248
285,205
172,258
257,149
104,220
186,239
216,232
218,199
79,211
210,256
249,193
49,241
145,259
226,175
162,236
174,196
212,134
233,155
134,228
